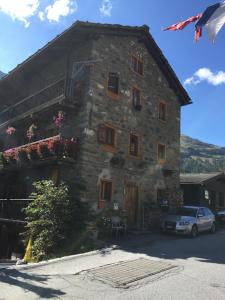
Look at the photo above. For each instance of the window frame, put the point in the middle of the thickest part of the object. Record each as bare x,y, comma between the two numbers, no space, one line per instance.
135,87
109,93
102,202
138,146
165,106
138,60
108,147
161,160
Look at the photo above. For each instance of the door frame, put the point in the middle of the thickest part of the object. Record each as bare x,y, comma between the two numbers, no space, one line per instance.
134,184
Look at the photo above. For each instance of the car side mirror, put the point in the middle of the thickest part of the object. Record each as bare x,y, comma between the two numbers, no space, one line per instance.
200,216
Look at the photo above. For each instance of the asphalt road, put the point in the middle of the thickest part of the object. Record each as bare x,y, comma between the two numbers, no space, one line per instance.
199,272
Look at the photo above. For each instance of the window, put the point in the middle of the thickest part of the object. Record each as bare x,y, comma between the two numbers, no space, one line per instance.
136,98
162,111
161,153
106,189
137,65
207,212
113,84
134,145
107,135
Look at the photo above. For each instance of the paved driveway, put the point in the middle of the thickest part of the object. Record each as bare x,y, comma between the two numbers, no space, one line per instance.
199,273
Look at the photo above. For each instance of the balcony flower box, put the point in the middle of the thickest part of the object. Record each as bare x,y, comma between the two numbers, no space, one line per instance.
53,146
22,155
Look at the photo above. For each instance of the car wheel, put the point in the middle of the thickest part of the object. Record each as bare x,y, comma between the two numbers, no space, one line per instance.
213,228
194,231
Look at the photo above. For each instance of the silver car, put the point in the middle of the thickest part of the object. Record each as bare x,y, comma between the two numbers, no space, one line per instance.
189,220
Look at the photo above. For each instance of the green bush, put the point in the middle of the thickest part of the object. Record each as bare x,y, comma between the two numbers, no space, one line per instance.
49,218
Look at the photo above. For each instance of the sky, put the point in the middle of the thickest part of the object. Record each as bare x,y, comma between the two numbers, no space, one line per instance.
27,25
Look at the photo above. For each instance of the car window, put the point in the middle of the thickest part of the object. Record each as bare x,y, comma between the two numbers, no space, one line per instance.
207,212
186,211
201,212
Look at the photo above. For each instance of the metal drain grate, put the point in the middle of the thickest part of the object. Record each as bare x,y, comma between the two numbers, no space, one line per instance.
123,273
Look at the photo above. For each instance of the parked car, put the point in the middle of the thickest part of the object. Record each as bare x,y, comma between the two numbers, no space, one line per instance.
220,218
189,220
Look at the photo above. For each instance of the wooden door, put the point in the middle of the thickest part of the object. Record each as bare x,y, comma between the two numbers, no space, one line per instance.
131,203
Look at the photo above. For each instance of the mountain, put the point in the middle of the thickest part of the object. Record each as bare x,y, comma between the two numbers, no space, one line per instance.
2,74
200,157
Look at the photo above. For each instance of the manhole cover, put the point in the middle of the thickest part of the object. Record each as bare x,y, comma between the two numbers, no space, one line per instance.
123,273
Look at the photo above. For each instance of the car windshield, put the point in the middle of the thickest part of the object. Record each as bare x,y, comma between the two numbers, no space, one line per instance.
186,211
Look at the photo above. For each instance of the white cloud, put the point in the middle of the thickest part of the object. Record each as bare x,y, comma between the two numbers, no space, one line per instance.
60,8
20,10
205,74
106,8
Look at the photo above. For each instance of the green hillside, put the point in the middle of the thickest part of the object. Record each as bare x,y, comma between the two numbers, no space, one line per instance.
199,157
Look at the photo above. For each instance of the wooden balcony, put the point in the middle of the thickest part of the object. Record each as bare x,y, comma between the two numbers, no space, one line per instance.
60,92
11,210
53,148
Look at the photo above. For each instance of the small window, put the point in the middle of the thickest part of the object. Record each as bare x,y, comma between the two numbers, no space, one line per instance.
161,153
162,111
137,65
105,192
136,98
113,83
107,135
134,145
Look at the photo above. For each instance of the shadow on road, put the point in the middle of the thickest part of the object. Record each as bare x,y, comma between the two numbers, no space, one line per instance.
206,247
28,283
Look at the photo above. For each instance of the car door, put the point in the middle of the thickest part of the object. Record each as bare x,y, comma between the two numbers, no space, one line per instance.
209,218
201,220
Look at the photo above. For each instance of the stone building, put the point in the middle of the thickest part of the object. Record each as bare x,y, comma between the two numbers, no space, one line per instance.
116,106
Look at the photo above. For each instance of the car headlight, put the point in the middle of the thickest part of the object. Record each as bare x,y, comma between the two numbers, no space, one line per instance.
182,223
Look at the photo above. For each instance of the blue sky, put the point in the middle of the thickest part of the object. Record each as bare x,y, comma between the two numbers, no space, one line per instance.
27,25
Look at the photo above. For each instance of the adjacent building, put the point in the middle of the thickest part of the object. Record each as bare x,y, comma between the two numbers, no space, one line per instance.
204,189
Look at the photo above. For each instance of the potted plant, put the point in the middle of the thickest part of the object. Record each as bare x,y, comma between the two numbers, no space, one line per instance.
33,153
22,155
44,150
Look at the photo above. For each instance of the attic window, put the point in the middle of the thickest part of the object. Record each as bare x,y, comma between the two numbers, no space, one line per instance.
161,153
113,84
136,98
162,111
137,65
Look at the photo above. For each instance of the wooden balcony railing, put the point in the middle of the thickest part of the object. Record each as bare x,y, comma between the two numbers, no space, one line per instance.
11,210
55,146
56,92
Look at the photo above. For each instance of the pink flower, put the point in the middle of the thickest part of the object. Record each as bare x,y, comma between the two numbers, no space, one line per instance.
10,130
58,120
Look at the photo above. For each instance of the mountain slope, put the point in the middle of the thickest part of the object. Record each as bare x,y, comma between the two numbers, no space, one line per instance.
199,157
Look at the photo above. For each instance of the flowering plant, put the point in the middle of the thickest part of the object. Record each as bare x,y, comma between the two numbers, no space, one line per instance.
10,130
58,120
30,131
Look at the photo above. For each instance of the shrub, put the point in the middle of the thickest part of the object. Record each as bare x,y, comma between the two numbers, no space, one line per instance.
48,218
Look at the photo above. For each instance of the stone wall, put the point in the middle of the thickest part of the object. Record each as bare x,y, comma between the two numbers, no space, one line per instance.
113,55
